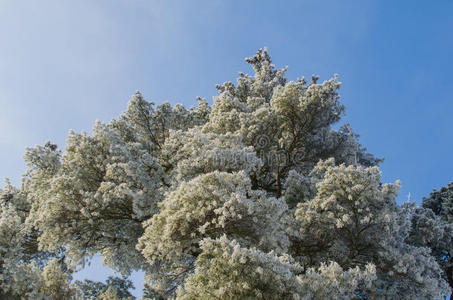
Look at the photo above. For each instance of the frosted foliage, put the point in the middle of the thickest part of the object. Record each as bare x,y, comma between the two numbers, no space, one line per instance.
96,201
56,281
261,195
290,120
441,202
192,153
349,201
11,236
428,229
225,270
150,126
208,206
432,226
112,294
298,188
354,220
20,275
330,281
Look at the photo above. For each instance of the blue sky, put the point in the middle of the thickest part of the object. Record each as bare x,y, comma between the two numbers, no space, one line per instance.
64,64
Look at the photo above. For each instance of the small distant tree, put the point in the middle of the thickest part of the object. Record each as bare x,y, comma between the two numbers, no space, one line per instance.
257,196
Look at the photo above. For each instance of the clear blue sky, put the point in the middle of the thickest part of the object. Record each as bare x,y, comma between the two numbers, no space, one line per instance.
64,64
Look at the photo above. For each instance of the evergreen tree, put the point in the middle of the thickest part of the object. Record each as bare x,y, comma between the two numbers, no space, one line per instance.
432,227
256,196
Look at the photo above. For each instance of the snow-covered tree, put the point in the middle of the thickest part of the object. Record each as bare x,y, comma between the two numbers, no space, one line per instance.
432,227
257,196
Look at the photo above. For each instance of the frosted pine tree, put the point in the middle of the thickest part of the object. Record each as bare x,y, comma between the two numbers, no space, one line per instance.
256,196
432,227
